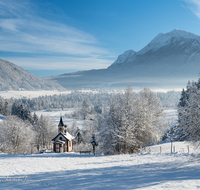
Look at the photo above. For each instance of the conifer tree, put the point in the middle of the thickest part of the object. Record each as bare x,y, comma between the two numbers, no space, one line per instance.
14,109
5,110
78,136
1,105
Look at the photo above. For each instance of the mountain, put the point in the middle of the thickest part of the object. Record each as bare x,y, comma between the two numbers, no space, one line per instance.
168,61
124,57
13,77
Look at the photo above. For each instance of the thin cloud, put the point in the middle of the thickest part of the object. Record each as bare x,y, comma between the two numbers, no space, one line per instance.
22,31
57,63
194,6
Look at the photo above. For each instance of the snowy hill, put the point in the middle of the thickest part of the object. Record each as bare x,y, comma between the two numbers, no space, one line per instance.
168,61
13,77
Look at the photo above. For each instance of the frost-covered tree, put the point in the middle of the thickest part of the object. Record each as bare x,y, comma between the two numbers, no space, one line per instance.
16,135
46,129
85,109
132,121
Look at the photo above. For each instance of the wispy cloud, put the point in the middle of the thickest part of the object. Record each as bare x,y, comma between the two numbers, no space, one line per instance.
23,31
59,63
194,6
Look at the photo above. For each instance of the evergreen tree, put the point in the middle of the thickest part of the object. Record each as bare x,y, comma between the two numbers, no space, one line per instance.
183,99
14,109
189,115
35,119
1,105
5,110
78,136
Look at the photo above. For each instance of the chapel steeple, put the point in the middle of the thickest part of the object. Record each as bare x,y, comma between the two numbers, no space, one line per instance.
61,126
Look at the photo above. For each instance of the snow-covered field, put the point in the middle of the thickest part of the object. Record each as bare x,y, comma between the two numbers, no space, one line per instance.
179,170
56,116
30,94
155,168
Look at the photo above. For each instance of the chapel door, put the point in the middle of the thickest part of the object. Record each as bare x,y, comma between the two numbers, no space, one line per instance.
57,148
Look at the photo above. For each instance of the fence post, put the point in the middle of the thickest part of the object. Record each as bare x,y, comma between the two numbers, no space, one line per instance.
171,145
160,149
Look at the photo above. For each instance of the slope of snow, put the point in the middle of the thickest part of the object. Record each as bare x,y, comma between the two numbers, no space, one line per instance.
13,77
171,114
179,170
56,116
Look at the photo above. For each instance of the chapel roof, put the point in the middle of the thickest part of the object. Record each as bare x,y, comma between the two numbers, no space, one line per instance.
67,136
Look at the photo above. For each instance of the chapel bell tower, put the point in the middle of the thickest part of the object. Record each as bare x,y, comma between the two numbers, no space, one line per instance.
61,126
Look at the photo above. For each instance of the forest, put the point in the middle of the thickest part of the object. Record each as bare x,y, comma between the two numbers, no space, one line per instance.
122,121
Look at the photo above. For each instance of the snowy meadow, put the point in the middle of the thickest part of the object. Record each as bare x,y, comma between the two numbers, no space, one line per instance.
154,168
148,170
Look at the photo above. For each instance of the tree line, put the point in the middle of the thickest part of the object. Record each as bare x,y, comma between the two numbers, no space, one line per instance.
96,99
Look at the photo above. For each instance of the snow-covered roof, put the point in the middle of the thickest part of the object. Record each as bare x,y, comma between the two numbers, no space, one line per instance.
67,136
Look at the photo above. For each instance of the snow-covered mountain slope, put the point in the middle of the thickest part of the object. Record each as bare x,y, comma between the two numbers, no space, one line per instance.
168,61
13,77
162,40
125,56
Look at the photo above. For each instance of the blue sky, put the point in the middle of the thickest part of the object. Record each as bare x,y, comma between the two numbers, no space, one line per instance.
50,37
